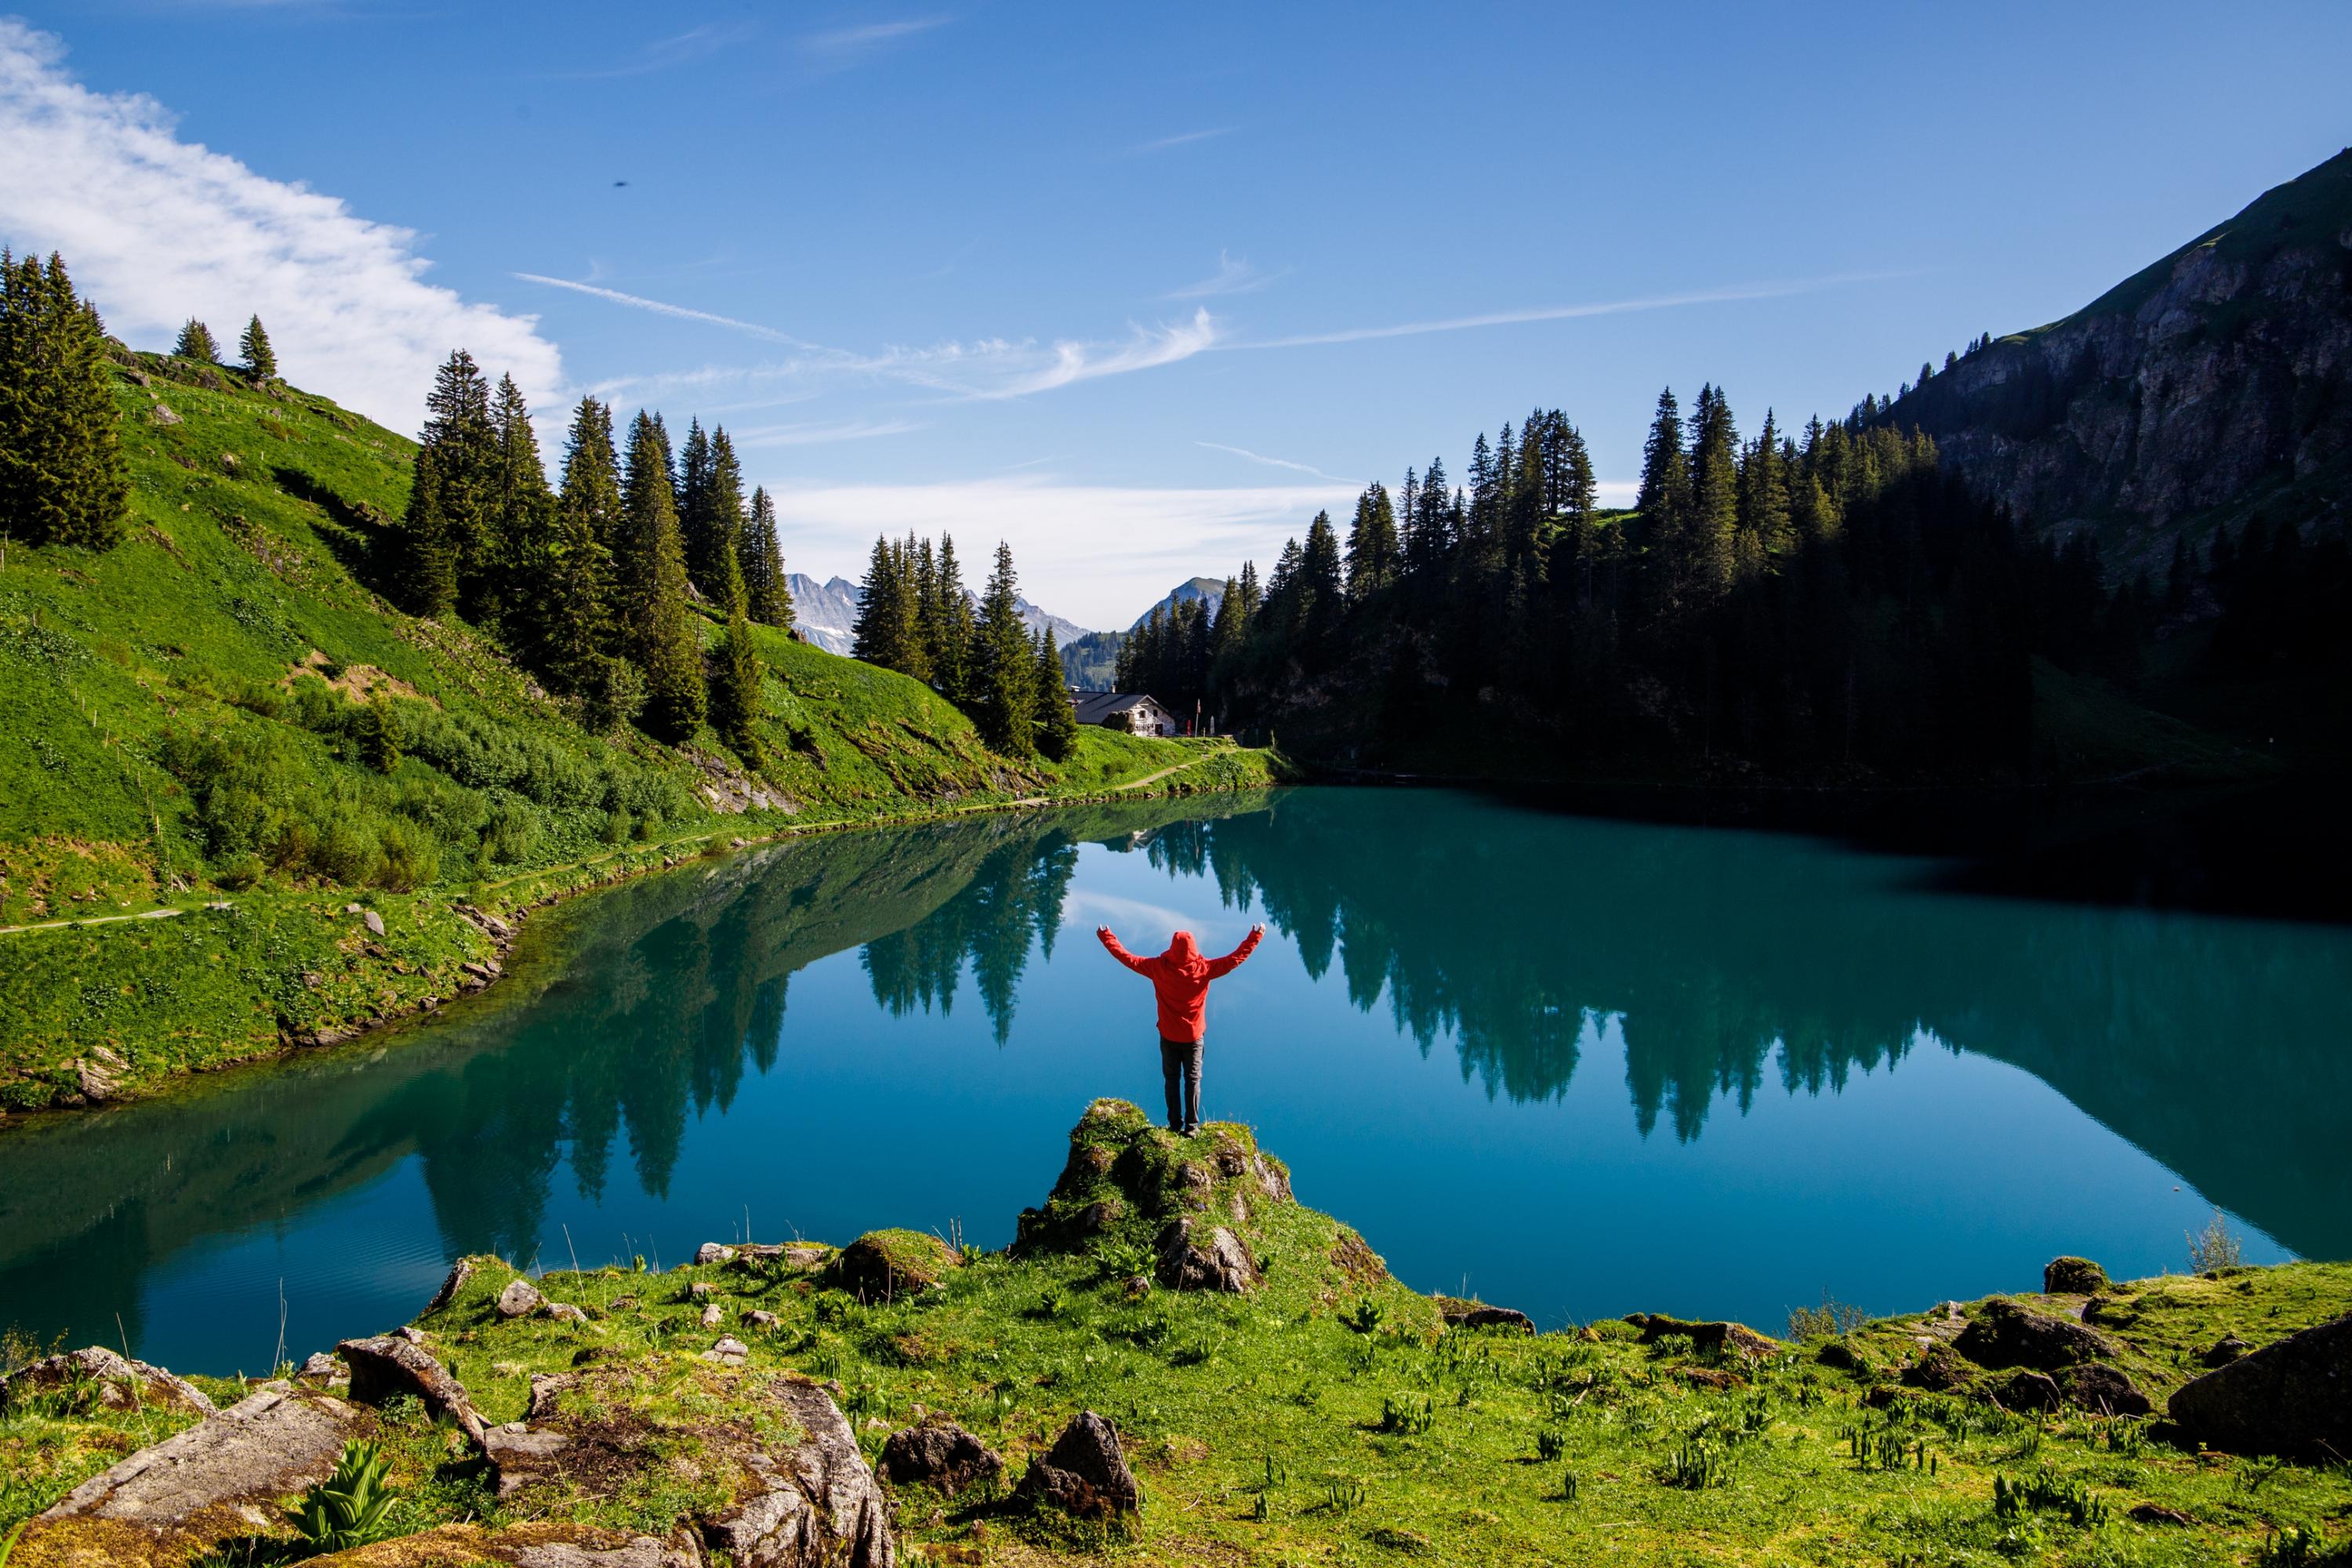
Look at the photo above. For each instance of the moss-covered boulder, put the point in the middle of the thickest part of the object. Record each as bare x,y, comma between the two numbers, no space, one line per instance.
883,1264
2073,1277
1129,1186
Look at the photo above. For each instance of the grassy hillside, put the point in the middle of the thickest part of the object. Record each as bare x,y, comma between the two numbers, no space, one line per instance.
1328,1416
223,710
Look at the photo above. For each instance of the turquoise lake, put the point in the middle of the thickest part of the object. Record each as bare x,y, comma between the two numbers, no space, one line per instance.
1576,1066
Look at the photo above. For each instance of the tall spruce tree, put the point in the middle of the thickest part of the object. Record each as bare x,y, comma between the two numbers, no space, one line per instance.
1004,671
1661,528
260,358
450,505
1715,492
197,343
887,632
574,623
62,478
1058,720
1322,597
736,701
950,649
650,578
1371,543
767,595
510,580
723,505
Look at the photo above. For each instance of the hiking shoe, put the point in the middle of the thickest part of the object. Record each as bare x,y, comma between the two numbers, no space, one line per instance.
1191,1130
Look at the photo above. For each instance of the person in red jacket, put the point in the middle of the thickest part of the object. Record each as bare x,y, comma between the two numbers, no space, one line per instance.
1179,977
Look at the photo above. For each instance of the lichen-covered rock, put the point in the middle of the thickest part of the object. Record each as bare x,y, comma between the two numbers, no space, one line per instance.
2005,1334
1707,1337
1085,1475
2073,1277
1462,1314
799,1494
2224,1351
535,1545
520,1298
2022,1389
387,1367
883,1263
2104,1390
2290,1397
1196,1257
219,1479
940,1454
115,1382
1938,1369
711,1252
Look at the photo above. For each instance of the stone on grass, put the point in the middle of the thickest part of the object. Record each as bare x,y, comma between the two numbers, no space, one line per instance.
1085,1475
2022,1389
1461,1314
2005,1334
387,1367
729,1351
372,920
321,1368
1708,1337
520,1298
938,1454
1937,1369
711,1314
2224,1351
121,1383
222,1477
1196,1257
711,1252
760,1319
459,1272
2290,1397
2102,1390
2073,1277
884,1264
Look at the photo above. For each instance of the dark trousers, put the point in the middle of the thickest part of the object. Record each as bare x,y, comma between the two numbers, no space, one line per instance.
1179,1075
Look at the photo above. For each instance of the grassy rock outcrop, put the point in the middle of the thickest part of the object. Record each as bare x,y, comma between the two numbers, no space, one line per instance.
883,1263
2292,1397
2006,1334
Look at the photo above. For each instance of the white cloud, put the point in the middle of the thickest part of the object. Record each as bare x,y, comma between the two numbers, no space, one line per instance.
682,312
843,45
1734,292
1185,140
1232,277
156,229
820,432
663,54
1269,462
1098,554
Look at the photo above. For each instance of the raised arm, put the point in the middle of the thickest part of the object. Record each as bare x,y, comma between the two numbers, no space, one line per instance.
1219,967
1118,951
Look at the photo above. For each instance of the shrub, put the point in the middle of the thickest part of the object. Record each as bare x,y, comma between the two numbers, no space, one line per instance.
2216,1246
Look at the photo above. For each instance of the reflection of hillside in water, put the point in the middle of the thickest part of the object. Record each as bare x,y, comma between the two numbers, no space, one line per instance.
638,1010
1735,960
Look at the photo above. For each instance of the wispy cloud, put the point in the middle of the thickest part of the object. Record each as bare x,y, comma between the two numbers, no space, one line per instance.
1773,290
1234,276
820,433
663,54
1184,140
843,46
158,229
1270,462
1146,348
663,307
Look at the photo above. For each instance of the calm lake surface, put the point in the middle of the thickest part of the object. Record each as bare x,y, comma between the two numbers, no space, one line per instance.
1575,1065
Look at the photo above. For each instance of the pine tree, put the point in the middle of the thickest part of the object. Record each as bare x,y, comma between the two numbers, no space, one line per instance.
767,595
1321,598
62,476
449,505
723,509
736,702
1004,673
1715,492
886,632
657,630
522,515
950,649
1662,508
575,620
197,343
1058,720
1764,506
694,517
1371,543
260,359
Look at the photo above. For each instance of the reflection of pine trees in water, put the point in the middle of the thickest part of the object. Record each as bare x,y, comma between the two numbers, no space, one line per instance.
1014,899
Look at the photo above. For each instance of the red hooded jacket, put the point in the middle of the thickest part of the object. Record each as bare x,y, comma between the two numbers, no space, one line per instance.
1181,977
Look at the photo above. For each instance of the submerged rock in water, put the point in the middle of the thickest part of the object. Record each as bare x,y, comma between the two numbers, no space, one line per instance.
2005,1334
2292,1397
1085,1475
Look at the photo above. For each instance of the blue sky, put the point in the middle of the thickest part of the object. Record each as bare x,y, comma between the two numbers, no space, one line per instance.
1136,288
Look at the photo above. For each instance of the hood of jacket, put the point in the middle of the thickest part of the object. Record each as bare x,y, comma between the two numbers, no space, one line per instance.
1184,954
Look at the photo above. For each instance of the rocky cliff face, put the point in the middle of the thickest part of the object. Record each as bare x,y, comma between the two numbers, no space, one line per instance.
2215,381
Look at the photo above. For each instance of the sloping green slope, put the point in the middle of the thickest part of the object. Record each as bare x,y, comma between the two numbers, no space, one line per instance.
227,707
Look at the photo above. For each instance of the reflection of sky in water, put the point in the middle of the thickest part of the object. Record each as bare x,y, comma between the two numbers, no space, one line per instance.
1586,1068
